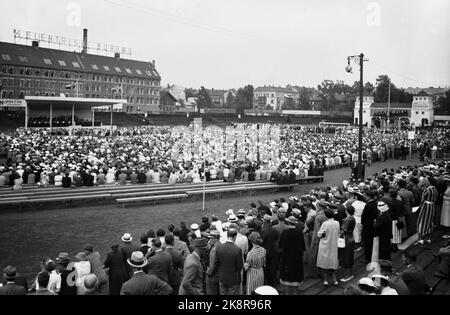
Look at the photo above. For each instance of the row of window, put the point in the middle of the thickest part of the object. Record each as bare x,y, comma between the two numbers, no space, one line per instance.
73,75
76,64
38,83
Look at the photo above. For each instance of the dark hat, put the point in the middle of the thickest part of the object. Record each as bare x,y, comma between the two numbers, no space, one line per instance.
214,233
385,264
89,247
371,194
323,204
63,258
201,243
10,273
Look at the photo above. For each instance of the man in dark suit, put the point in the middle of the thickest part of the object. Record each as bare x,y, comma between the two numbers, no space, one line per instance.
368,217
179,245
229,262
177,263
142,283
271,238
194,273
160,264
413,276
10,274
184,231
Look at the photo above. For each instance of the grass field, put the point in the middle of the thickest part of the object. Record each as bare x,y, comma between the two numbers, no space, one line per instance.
28,235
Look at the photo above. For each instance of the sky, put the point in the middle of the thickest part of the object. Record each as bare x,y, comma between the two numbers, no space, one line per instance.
226,44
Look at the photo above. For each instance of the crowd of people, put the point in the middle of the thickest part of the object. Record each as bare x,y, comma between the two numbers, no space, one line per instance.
145,155
271,248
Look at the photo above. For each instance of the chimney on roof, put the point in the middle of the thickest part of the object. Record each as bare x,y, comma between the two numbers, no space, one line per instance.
154,63
35,43
117,55
85,40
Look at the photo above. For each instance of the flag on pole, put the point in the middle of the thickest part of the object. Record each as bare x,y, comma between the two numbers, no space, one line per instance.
70,86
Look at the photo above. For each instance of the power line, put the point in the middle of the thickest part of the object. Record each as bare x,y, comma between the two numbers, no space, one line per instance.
404,76
219,29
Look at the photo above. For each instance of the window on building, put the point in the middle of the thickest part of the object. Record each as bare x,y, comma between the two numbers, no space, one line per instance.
76,64
423,113
22,71
52,73
21,95
417,113
6,57
53,94
5,69
37,73
128,71
117,69
106,68
149,73
62,63
21,83
28,71
4,94
95,67
47,61
36,94
28,84
37,83
11,70
139,72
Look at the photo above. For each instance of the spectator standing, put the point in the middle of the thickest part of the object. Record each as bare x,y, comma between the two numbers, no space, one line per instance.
229,263
327,258
142,283
255,263
346,254
194,273
116,267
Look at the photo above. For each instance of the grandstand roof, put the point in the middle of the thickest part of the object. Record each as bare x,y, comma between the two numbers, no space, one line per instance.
29,56
67,102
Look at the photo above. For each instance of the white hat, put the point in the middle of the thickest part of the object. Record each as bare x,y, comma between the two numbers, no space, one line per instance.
232,218
137,260
229,212
381,277
194,227
127,238
266,290
382,206
368,282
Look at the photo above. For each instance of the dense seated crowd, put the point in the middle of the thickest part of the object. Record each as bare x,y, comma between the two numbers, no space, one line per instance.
144,155
271,247
59,121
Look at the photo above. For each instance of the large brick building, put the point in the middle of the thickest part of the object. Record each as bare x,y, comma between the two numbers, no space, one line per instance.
37,71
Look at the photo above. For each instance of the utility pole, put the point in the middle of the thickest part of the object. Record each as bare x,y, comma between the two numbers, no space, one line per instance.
389,107
360,59
361,97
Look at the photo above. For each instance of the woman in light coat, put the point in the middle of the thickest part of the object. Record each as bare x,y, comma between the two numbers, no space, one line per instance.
327,257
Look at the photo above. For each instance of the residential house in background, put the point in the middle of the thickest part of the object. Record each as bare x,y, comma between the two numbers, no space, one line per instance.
273,98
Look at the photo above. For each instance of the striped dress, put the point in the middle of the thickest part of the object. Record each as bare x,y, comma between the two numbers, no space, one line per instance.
427,211
256,260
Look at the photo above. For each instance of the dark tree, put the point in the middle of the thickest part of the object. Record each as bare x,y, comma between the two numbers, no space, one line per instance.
204,99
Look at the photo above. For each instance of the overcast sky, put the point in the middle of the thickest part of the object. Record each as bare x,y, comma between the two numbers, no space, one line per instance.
231,43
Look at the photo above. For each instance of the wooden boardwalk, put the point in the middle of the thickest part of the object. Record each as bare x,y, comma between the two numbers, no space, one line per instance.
425,259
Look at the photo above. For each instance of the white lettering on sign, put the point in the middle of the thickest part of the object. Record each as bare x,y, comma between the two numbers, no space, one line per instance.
5,102
69,42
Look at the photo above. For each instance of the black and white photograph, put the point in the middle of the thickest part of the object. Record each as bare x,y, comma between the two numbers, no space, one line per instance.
224,152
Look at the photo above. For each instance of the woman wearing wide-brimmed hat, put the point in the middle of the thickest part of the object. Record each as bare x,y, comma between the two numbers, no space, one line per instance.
255,263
